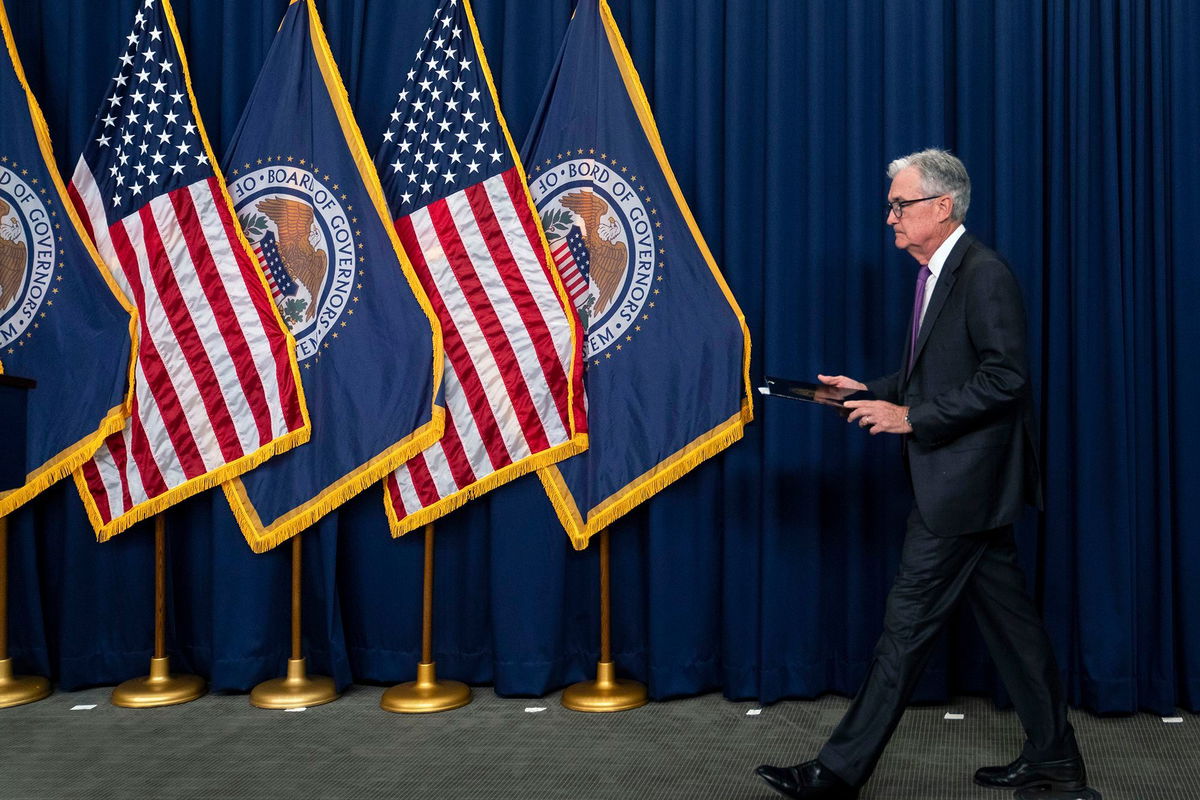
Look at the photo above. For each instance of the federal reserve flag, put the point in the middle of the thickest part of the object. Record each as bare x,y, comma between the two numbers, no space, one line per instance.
216,386
62,320
369,344
667,349
514,395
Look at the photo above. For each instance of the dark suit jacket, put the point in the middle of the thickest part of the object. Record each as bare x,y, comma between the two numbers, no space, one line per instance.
972,455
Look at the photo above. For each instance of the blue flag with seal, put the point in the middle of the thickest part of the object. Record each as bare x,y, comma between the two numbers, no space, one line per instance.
667,349
63,321
368,342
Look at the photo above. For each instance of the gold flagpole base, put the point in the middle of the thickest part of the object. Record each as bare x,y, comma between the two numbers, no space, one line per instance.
606,693
426,694
159,688
297,690
17,690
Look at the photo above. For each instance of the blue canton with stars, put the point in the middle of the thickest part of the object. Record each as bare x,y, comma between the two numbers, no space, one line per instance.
444,134
145,141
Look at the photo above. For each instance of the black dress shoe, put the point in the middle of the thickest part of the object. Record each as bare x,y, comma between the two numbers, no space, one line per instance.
811,780
1066,775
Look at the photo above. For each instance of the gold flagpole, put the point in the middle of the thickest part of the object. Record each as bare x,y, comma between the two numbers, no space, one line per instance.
15,690
426,693
160,687
298,689
607,692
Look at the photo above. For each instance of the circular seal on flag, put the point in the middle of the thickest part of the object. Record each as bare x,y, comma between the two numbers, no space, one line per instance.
28,252
603,242
304,242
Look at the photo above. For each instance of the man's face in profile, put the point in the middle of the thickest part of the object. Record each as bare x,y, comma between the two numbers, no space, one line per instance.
917,224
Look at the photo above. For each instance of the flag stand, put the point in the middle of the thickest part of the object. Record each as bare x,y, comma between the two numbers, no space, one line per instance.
298,689
15,690
160,687
426,694
607,692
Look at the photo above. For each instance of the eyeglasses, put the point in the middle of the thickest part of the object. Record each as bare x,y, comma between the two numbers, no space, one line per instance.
897,206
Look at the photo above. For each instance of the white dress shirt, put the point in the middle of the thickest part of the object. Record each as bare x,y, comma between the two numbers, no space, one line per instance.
936,262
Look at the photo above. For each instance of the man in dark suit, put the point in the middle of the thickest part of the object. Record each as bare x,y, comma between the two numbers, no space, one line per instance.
961,402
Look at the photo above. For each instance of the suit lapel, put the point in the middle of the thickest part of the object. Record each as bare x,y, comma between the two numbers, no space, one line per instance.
941,290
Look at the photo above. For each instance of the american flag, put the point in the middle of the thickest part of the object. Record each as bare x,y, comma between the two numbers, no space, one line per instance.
215,381
514,377
278,279
573,261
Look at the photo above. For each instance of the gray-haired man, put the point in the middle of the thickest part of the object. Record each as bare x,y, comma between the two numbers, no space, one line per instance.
961,402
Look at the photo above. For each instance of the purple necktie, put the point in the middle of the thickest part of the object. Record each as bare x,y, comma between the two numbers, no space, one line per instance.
918,303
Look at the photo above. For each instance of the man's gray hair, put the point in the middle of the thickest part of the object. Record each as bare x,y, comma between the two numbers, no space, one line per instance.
941,173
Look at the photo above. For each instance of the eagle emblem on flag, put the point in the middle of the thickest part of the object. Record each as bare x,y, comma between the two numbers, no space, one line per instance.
28,255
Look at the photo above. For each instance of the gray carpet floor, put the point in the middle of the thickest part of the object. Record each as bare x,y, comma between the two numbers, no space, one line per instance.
501,749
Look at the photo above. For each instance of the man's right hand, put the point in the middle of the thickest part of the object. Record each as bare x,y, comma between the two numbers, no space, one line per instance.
842,382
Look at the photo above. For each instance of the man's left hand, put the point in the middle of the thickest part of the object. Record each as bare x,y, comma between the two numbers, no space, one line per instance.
878,416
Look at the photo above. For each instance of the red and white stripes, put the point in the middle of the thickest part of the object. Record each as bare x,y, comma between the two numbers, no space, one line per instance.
214,380
511,372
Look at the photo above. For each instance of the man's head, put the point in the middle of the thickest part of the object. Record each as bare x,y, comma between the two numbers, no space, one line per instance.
929,196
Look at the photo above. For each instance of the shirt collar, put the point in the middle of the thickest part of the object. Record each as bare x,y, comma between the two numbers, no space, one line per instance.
943,252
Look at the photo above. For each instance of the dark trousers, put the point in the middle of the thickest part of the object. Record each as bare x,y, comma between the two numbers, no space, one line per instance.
935,573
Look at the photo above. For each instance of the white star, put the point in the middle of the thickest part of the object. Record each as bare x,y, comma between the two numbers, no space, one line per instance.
123,158
143,76
461,136
115,100
397,165
116,200
479,147
103,141
443,73
189,128
436,94
456,156
184,148
424,136
132,39
387,135
412,73
411,125
155,34
469,116
171,117
473,166
457,31
120,180
419,105
127,59
121,80
425,84
114,169
141,170
496,155
425,187
412,176
143,147
132,116
152,106
159,86
148,55
444,125
158,158
450,53
452,105
177,97
152,179
167,66
127,138
448,177
404,146
458,85
164,137
136,188
431,63
431,166
137,97
485,126
108,121
202,159
177,168
396,113
406,197
439,44
474,95
138,20
466,64
437,146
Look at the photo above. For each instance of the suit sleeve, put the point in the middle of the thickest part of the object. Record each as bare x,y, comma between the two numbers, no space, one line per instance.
995,319
886,388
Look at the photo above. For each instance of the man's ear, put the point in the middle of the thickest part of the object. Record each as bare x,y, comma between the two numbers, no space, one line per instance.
945,206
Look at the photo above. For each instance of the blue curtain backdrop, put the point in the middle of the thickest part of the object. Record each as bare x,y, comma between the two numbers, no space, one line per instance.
763,574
